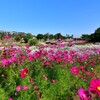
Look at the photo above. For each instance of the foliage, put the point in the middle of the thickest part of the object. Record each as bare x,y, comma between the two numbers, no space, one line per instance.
86,37
27,37
94,37
21,34
1,35
17,38
32,42
40,36
51,36
46,36
69,36
46,74
57,36
52,73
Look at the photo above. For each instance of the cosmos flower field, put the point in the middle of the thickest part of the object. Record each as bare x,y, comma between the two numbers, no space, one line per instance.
52,72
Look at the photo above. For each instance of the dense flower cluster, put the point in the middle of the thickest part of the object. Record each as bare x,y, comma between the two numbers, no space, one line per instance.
6,37
50,68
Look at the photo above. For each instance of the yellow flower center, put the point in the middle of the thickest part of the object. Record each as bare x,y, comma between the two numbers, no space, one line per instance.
84,95
25,73
98,88
74,70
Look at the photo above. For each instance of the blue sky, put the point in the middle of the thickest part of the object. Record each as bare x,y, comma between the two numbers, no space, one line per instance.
41,16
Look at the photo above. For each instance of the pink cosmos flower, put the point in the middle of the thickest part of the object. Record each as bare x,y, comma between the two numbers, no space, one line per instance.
74,70
23,73
30,57
50,56
35,87
24,56
25,87
10,98
45,77
83,58
70,58
7,37
31,80
92,74
59,59
82,68
10,60
53,81
80,76
59,39
88,73
83,94
43,52
28,51
13,54
18,88
14,59
55,56
47,63
4,62
36,54
27,46
95,86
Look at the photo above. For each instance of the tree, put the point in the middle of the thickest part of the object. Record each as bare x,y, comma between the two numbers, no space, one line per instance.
46,36
51,36
69,36
58,35
21,34
95,37
17,38
86,37
27,37
97,30
40,36
72,36
32,41
1,35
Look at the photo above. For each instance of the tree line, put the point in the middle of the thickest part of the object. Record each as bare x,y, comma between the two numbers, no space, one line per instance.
93,37
26,36
48,36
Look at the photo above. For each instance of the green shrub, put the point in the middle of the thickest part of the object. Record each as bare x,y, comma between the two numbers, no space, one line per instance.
27,37
32,42
17,38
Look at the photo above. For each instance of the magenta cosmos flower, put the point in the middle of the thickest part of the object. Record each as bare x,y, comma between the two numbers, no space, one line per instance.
74,70
7,37
95,86
10,98
35,87
4,62
53,81
25,87
23,73
27,46
18,88
83,94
